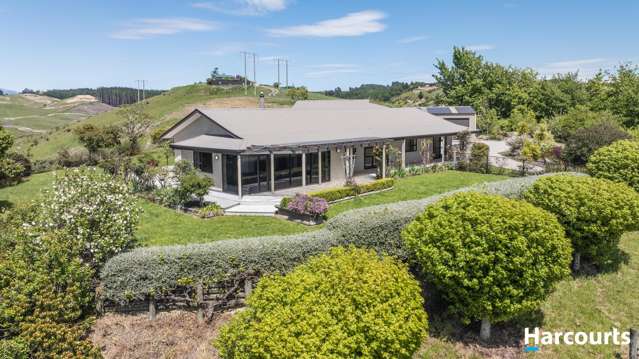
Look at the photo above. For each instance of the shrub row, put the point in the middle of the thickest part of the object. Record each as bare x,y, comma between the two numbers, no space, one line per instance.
335,194
155,270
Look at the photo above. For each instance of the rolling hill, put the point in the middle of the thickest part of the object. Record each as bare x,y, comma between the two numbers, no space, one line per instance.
165,109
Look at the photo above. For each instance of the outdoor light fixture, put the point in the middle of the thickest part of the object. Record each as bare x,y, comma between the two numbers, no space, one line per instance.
217,157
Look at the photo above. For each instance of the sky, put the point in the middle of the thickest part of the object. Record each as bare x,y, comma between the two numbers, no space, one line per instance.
330,43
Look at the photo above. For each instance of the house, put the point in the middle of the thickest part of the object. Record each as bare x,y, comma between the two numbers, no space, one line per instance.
248,151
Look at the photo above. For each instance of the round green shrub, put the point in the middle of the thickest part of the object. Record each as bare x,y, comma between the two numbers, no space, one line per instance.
345,304
618,162
491,257
594,212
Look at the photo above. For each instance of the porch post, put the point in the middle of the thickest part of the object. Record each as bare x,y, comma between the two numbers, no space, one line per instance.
404,153
384,161
319,165
239,175
442,146
272,172
303,169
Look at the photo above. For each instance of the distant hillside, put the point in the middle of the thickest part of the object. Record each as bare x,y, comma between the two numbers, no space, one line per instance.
27,115
375,92
8,92
165,110
113,96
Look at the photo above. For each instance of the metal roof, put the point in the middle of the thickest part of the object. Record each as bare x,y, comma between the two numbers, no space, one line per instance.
450,110
307,126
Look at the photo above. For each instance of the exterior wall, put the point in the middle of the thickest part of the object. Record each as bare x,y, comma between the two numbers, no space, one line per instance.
200,126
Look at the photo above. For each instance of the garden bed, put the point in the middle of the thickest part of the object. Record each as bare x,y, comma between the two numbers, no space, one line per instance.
307,220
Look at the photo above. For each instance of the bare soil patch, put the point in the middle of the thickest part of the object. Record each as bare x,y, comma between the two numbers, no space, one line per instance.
174,334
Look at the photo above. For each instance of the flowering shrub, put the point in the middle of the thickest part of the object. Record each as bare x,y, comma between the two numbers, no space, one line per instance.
98,212
306,205
348,303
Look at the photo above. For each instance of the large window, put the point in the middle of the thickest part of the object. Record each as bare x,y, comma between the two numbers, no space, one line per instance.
369,157
203,161
411,145
326,166
255,174
288,171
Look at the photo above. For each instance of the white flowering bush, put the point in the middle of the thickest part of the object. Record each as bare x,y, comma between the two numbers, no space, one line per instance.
97,211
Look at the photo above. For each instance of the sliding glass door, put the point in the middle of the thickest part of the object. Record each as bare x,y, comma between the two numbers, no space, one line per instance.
288,171
256,174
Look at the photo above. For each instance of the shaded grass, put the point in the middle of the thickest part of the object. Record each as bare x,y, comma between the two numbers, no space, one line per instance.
30,189
416,187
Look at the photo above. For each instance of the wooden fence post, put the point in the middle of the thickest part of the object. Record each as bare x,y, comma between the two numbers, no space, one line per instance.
152,309
633,344
199,301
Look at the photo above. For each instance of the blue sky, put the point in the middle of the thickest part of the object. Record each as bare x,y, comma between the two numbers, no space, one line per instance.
66,44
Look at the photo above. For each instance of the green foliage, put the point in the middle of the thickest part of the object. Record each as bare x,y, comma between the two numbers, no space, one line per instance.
137,273
348,303
490,257
47,294
135,124
95,138
624,94
98,212
193,184
530,151
585,141
210,210
297,93
564,127
334,194
13,349
478,161
594,212
375,92
618,162
10,169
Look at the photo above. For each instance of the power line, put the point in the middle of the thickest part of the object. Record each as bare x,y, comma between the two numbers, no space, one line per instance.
245,54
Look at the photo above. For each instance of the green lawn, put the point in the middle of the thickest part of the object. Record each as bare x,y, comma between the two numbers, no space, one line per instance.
163,226
587,304
416,187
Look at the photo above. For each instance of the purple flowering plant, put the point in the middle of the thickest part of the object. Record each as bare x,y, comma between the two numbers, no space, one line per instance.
307,205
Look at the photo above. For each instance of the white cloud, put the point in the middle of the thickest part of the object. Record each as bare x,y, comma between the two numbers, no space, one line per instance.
586,67
481,47
326,70
146,28
243,7
411,39
353,24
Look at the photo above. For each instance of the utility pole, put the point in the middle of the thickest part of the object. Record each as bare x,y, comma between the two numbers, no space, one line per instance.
286,63
254,75
278,72
137,82
143,90
244,53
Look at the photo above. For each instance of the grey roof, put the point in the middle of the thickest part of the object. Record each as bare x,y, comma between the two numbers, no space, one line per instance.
450,110
260,128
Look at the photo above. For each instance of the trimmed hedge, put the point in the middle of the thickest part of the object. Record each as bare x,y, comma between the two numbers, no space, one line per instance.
595,212
335,194
618,162
13,349
491,257
143,271
346,304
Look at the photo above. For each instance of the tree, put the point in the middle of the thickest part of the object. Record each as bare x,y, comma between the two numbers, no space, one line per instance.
491,257
594,212
618,162
10,170
585,141
479,161
564,127
96,138
624,94
136,123
297,93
